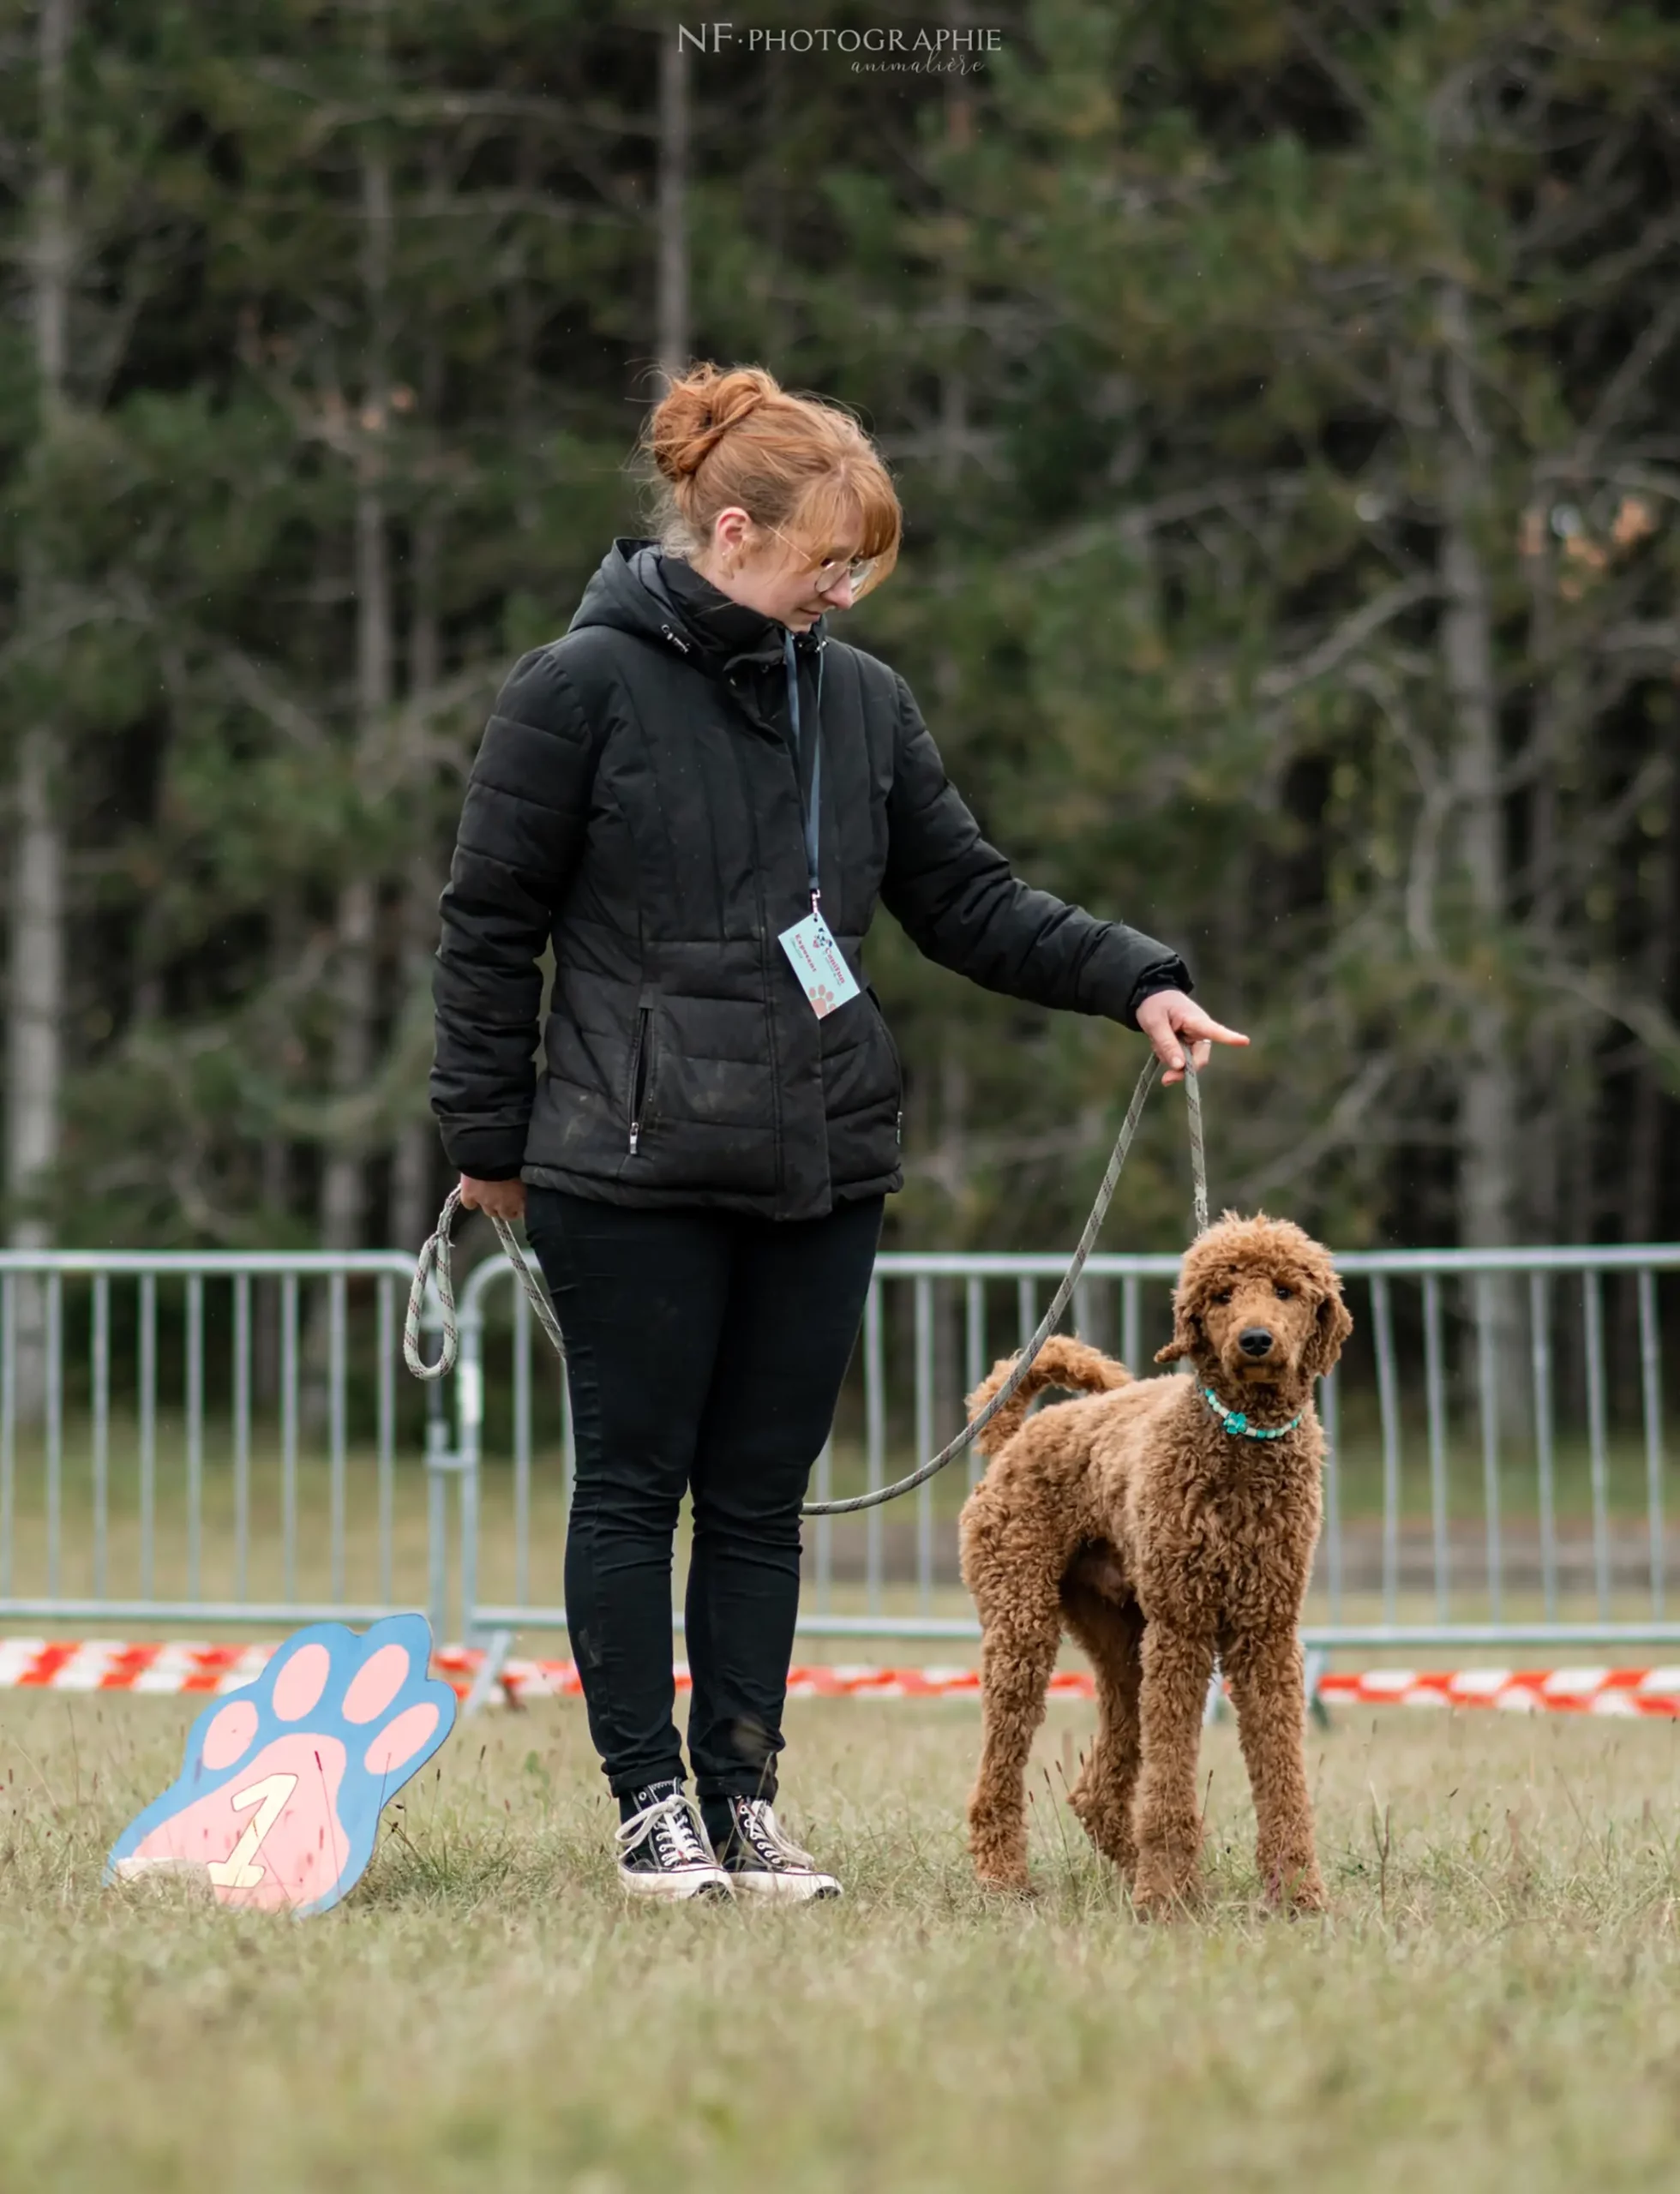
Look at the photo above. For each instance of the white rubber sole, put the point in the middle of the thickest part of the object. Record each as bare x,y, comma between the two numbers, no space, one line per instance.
711,1883
785,1889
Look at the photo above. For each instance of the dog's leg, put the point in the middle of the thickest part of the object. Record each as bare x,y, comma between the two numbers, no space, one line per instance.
1177,1666
1017,1652
1268,1683
1101,1796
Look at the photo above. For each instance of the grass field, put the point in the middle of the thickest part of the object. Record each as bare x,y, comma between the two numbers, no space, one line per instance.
1494,2003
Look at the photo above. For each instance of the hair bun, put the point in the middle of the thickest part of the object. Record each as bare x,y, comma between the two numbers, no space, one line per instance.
699,410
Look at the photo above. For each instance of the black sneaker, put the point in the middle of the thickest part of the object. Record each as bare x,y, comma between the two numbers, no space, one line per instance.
663,1851
761,1861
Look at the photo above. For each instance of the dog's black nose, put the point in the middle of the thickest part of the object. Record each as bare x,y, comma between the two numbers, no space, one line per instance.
1255,1340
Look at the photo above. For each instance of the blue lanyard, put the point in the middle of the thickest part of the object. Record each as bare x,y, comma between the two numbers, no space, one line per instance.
810,811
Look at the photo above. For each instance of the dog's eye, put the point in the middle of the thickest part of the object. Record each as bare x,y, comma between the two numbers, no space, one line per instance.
1284,1294
1223,1296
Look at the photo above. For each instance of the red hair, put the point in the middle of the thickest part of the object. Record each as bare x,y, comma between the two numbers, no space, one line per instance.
801,464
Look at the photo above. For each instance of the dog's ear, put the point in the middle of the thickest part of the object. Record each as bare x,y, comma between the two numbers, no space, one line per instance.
1332,1325
1188,1337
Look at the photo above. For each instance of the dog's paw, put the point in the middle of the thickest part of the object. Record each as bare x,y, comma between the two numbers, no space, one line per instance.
1017,1886
1108,1825
1163,1891
1150,1902
1296,1891
278,1801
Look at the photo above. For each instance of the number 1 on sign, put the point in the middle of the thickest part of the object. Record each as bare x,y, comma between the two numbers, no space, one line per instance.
269,1797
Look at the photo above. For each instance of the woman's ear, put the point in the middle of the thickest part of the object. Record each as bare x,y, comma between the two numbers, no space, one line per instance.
1332,1328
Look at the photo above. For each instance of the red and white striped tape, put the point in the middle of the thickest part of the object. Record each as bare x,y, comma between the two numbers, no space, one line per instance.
840,1679
1563,1690
101,1664
1513,1691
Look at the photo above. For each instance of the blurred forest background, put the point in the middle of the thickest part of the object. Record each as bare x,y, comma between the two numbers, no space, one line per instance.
1285,400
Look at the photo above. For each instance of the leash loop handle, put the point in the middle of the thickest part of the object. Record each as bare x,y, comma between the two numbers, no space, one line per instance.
434,1264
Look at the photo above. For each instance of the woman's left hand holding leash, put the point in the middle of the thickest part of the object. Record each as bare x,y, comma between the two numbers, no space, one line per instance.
1168,1018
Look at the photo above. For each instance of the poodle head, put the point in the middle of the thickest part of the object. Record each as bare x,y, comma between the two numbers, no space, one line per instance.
1259,1303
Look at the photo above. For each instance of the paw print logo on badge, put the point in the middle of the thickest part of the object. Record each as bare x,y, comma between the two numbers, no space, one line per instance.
278,1802
822,999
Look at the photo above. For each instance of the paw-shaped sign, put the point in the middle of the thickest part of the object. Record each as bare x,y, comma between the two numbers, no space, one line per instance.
278,1801
824,1000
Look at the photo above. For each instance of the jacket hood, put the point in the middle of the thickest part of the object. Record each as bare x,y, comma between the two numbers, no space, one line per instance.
638,588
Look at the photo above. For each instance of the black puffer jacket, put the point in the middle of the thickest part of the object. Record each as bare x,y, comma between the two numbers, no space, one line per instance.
635,800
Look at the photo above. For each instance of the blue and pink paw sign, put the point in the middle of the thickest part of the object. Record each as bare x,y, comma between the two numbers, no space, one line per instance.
278,1802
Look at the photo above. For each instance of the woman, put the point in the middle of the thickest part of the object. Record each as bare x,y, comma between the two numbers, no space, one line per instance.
700,796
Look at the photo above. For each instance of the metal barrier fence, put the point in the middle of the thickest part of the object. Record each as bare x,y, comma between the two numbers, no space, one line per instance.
1496,1469
216,1438
227,1439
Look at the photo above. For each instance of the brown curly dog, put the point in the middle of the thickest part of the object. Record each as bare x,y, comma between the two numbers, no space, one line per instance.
1159,1533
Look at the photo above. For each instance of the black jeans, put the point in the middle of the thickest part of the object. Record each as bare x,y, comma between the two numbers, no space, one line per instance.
704,1352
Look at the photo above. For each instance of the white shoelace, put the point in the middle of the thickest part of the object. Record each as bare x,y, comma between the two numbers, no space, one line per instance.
757,1821
675,1828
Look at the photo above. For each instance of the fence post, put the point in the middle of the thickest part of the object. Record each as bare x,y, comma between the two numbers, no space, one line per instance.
438,1463
469,1437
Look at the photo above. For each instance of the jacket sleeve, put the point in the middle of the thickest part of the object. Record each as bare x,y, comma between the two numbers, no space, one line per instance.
521,831
960,904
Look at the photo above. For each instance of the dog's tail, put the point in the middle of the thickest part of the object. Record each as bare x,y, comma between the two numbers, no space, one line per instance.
1062,1362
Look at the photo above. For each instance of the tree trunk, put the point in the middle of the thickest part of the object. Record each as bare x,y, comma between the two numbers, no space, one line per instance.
276,1193
1489,1104
37,984
414,1168
1641,1213
344,1182
415,1160
672,302
954,1080
1548,1116
355,987
37,900
33,1046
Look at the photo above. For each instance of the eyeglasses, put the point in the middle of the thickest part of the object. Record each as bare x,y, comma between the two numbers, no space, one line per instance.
828,574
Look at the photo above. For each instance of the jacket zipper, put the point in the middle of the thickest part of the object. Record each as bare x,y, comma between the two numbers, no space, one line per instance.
638,1076
897,1063
762,930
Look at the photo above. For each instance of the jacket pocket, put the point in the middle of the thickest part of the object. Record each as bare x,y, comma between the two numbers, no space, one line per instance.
641,1064
880,1016
892,1053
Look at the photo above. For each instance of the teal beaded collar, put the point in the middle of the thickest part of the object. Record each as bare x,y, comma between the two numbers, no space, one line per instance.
1235,1421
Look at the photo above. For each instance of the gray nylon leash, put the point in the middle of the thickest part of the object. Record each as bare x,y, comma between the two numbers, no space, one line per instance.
1046,1325
434,1264
1198,1155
